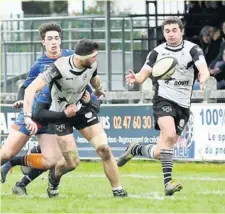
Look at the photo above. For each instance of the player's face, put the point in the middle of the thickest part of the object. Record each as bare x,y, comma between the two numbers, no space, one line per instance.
88,62
52,42
173,34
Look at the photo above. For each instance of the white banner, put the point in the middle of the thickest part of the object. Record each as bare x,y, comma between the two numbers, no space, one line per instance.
208,127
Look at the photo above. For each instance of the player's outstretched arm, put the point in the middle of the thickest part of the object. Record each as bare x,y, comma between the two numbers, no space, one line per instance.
30,92
139,77
203,74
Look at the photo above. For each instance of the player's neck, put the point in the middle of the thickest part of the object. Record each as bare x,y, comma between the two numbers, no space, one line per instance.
53,55
77,64
175,44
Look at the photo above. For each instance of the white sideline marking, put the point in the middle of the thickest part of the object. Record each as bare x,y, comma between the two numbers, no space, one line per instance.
31,196
208,178
217,192
84,175
149,195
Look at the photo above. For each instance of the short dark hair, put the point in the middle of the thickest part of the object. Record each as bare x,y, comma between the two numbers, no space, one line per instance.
85,47
173,20
50,26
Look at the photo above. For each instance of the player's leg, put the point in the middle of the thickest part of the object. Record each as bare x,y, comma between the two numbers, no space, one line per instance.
17,138
31,174
13,144
97,136
50,151
66,164
165,114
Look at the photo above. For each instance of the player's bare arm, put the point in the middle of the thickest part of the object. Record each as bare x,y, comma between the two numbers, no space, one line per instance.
139,77
145,71
96,84
200,62
203,74
30,92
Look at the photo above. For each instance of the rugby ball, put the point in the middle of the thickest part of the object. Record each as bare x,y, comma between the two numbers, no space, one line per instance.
164,68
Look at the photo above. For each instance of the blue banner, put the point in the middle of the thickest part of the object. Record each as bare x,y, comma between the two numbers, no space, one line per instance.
122,123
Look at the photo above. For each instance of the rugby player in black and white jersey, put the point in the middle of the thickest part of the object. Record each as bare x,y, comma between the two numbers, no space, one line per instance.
69,77
172,99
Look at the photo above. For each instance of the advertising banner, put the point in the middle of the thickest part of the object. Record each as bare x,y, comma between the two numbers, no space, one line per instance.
202,139
209,131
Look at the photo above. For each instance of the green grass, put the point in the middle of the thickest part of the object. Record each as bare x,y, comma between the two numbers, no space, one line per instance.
86,190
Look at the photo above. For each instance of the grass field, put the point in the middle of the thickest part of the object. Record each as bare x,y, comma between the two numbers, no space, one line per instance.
86,190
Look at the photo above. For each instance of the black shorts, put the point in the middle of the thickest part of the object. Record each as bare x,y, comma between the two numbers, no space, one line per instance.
80,121
163,107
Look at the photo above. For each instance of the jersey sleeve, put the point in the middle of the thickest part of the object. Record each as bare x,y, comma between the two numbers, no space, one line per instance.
197,55
43,115
95,73
50,74
151,58
32,74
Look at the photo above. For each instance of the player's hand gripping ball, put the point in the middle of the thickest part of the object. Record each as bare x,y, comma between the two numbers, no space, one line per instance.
164,68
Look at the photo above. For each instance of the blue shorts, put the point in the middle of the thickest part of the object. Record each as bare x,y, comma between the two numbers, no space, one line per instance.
20,126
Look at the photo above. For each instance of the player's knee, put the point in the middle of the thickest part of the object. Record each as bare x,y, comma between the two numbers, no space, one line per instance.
170,137
6,156
49,165
104,152
99,140
72,159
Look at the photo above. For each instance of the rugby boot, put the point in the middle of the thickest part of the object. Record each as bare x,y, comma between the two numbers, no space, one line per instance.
53,185
19,189
172,186
4,171
126,156
120,193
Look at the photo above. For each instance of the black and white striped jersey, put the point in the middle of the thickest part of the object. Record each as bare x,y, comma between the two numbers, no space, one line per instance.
179,88
68,83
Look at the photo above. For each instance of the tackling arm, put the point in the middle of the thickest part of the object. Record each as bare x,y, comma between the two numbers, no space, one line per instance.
30,92
42,114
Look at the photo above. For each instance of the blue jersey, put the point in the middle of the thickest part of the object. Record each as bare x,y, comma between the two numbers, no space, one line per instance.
40,65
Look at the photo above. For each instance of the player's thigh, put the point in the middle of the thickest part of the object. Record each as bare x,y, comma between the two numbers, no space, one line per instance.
96,135
167,125
67,143
65,138
14,142
92,131
49,147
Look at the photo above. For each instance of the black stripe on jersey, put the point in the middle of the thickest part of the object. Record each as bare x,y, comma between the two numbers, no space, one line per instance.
174,50
190,64
95,73
58,85
151,58
77,73
70,62
195,52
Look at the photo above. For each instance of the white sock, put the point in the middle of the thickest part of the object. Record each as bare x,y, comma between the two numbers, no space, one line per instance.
117,188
